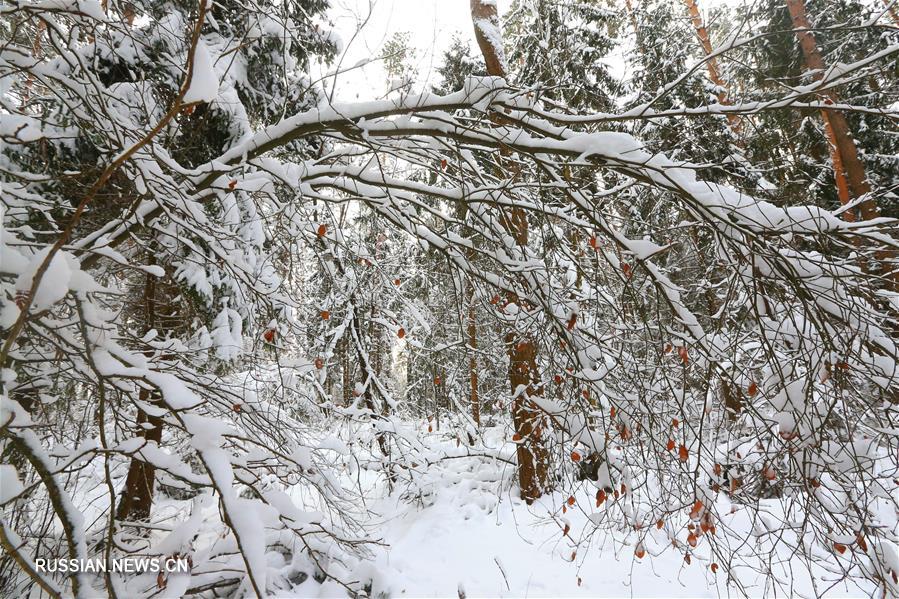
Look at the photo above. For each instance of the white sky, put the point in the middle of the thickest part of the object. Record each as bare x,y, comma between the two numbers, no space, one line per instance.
431,23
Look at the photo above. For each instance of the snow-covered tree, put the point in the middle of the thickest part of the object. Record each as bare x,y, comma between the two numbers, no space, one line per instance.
198,250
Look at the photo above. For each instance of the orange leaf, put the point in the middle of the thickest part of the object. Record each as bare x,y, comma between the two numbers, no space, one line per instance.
717,469
566,529
325,315
639,551
861,543
322,229
684,356
670,445
571,322
600,497
593,242
232,184
660,523
575,456
714,567
436,380
401,333
691,539
319,363
674,422
687,559
269,335
443,163
396,282
841,549
557,379
752,390
626,269
516,437
612,412
683,454
571,500
696,510
668,348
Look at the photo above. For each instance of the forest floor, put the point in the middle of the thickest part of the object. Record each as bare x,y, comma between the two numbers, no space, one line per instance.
463,531
454,526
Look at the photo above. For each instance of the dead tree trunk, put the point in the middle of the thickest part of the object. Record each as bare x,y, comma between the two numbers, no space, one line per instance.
524,377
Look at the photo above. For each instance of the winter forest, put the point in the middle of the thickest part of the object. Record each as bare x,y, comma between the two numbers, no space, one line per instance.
600,299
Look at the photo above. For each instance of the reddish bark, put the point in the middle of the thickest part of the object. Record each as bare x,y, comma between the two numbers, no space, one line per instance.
711,63
848,158
533,458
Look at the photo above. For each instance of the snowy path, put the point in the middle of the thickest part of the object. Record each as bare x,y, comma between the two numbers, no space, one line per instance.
468,530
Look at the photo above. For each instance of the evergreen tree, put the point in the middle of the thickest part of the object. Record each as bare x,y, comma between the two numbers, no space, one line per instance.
560,47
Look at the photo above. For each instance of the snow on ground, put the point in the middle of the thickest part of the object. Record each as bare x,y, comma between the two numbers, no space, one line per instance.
467,530
454,524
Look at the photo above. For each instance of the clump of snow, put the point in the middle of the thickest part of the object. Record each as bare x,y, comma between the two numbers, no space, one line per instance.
54,284
10,485
204,83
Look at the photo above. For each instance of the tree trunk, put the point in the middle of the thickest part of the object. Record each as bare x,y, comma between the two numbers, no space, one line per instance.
891,9
855,170
838,126
711,63
533,458
633,20
472,358
839,173
136,501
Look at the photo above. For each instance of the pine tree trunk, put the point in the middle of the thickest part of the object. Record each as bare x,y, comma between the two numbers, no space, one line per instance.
891,8
633,20
838,126
839,173
855,170
136,501
533,458
711,63
37,52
